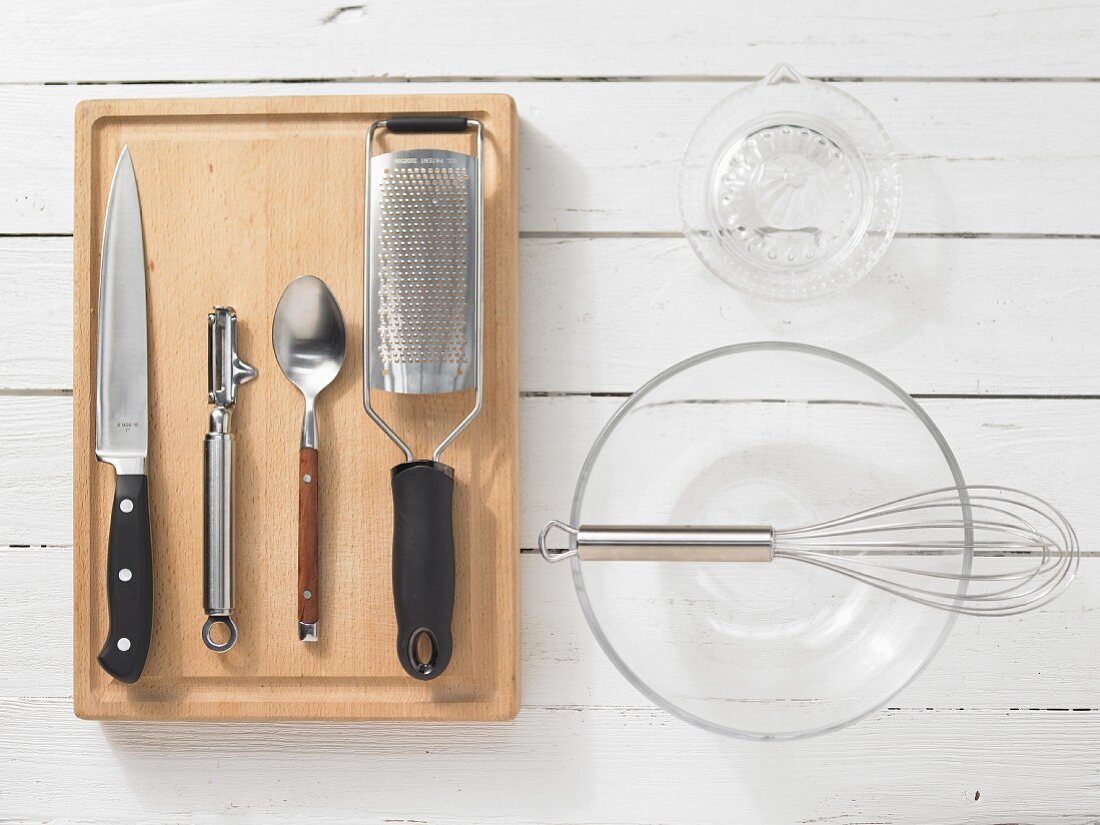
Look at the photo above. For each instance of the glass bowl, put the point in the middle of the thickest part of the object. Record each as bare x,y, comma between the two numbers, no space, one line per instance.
780,434
790,188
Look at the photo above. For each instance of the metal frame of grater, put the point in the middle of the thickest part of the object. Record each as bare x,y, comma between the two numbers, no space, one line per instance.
479,302
423,539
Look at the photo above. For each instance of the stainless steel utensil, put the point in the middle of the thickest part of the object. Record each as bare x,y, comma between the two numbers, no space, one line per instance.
309,340
225,372
122,426
423,328
883,547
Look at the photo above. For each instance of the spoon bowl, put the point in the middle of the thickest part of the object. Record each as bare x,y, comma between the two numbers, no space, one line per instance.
310,342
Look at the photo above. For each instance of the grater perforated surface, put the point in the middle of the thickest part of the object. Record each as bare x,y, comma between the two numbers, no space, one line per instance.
422,271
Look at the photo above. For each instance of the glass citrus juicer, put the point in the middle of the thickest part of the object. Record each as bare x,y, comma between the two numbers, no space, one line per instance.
790,188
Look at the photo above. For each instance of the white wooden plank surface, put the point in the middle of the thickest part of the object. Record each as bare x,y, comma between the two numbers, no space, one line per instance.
583,766
67,40
1050,447
1001,728
36,313
1034,662
939,315
604,157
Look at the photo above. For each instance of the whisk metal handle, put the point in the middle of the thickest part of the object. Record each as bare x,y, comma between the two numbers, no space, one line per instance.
738,543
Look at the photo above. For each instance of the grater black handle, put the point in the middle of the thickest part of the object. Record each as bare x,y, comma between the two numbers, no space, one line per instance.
423,566
407,124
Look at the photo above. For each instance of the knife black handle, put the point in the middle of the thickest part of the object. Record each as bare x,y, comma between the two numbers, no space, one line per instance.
423,566
129,581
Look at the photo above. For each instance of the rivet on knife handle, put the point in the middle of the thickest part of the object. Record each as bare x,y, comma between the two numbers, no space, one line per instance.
226,371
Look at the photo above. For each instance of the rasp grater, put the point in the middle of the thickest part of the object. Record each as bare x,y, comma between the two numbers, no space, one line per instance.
423,319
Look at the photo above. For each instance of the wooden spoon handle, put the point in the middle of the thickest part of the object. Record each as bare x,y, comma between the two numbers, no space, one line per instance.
308,602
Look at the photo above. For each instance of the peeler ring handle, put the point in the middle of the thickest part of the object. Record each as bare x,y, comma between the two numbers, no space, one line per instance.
211,623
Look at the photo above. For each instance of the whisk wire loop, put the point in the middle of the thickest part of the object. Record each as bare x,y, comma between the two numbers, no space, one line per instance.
992,523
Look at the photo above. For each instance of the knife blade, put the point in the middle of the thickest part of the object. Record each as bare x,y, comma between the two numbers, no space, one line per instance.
122,427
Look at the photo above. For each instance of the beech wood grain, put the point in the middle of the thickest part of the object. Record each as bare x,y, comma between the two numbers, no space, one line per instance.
238,197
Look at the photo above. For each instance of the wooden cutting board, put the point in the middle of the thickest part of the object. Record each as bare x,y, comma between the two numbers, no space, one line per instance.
239,197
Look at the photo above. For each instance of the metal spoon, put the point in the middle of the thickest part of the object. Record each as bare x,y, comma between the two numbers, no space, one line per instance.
309,340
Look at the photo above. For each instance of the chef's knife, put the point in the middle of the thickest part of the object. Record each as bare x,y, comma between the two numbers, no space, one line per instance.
122,427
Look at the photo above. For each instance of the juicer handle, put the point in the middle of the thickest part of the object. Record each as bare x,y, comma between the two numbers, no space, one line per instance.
423,566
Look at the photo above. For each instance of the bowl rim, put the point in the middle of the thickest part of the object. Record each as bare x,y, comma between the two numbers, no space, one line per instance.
629,404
